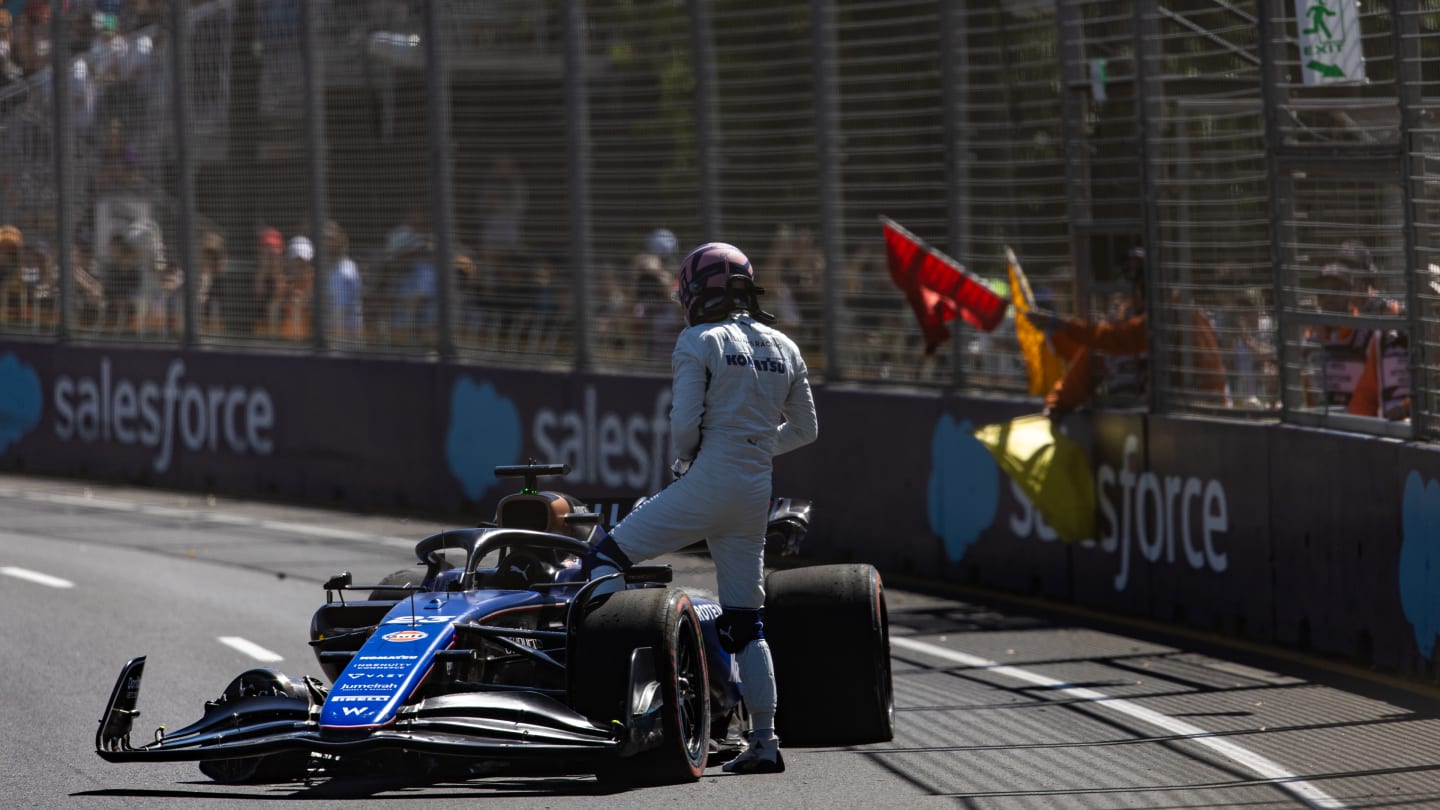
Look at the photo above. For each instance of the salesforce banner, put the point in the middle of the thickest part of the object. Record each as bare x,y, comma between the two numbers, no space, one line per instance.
1314,539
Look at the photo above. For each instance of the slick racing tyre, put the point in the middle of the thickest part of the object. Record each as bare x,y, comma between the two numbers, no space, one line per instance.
830,640
400,579
289,766
664,620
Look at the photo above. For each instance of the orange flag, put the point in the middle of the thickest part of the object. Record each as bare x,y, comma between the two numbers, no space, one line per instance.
938,287
1042,364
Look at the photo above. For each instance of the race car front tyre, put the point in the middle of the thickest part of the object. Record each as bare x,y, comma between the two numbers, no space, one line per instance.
664,620
399,580
830,638
289,766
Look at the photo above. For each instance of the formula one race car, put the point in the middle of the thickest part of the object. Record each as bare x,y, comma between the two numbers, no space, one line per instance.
513,656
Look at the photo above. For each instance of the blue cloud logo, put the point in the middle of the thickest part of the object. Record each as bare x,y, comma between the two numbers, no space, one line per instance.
964,491
1420,559
20,400
484,431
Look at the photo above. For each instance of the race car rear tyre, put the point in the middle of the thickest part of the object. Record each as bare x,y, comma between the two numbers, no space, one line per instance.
664,620
830,639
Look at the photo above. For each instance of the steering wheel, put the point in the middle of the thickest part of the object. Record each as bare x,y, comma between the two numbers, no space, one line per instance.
521,568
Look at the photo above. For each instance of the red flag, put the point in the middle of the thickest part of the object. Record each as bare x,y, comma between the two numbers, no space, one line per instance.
938,287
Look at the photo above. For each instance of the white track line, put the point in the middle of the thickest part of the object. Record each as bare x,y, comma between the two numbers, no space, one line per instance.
206,515
1306,792
250,648
37,577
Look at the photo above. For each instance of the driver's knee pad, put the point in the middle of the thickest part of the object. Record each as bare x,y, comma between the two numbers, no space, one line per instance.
737,627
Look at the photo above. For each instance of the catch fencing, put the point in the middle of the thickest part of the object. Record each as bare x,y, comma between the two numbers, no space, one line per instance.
210,156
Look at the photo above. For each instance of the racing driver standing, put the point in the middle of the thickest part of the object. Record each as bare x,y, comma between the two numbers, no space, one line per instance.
741,396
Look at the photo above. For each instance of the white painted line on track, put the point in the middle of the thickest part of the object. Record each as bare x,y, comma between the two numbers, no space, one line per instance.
1305,791
36,577
208,516
250,648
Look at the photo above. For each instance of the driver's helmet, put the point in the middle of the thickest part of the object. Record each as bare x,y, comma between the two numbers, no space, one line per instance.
706,285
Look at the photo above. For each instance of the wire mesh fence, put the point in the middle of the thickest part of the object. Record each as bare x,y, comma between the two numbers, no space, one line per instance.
513,183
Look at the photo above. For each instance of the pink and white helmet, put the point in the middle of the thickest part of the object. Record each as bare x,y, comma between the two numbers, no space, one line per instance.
705,275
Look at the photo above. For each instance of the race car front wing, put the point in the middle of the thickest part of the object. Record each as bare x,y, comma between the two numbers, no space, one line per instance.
509,724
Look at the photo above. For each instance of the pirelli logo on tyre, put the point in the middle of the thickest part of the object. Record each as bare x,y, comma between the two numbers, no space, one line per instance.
406,635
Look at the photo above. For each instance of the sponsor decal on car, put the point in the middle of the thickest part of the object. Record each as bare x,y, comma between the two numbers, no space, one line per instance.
406,635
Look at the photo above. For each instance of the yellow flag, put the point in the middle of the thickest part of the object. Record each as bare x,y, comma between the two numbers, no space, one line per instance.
1042,364
1050,468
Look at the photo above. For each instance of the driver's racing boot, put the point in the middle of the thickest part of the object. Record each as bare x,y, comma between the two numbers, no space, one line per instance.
762,756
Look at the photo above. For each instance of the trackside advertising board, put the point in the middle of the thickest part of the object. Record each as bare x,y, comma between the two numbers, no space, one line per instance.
1268,532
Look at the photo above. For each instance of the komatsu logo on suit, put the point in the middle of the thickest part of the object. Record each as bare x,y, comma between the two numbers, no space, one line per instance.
758,363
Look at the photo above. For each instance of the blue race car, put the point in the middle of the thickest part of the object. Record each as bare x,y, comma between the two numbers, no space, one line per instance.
511,656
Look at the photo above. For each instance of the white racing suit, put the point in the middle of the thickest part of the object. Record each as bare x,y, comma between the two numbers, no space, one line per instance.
741,395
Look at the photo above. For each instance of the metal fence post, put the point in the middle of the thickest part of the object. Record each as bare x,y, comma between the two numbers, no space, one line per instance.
828,181
1404,31
312,62
437,86
1269,94
184,170
1147,116
707,119
60,109
955,101
1070,54
577,166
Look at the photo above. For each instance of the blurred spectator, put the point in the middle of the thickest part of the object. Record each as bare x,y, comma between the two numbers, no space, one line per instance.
40,277
212,287
1364,371
89,293
10,69
502,199
1114,351
158,281
656,316
13,305
268,286
120,276
1240,315
296,290
119,162
343,287
414,300
470,289
654,312
879,311
783,270
32,37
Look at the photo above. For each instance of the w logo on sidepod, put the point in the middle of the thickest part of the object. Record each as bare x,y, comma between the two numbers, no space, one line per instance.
1420,559
964,491
20,400
484,432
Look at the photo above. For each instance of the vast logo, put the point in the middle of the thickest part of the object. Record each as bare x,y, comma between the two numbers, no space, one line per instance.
20,400
484,432
964,490
1420,559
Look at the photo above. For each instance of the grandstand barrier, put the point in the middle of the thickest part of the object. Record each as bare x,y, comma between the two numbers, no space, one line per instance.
1272,533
